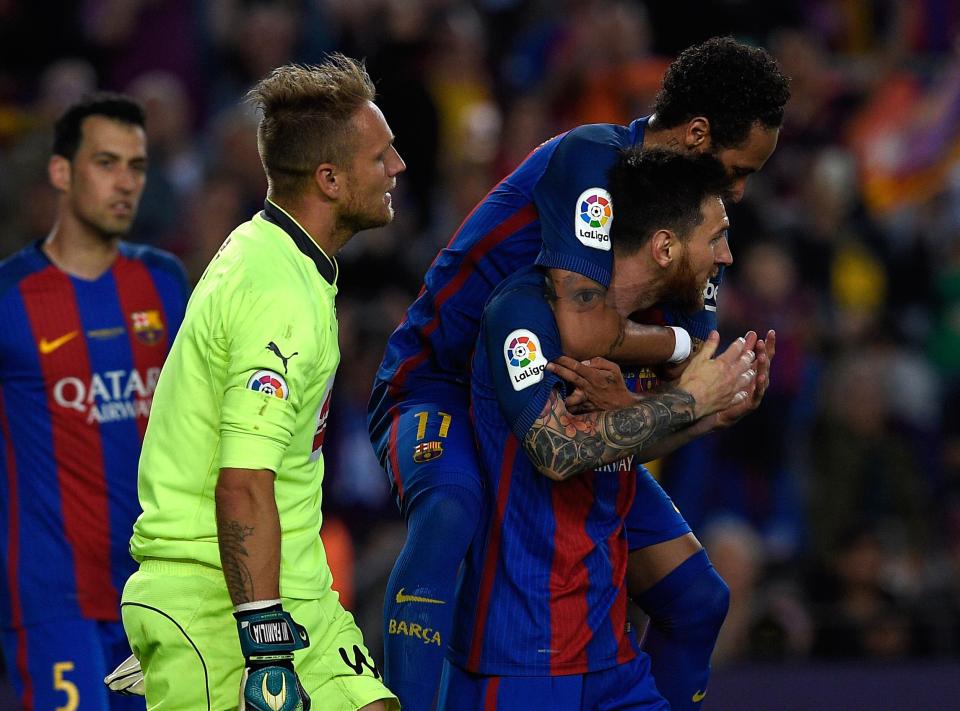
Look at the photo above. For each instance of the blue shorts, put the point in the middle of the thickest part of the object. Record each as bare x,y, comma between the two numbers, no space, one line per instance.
428,445
626,687
653,517
61,665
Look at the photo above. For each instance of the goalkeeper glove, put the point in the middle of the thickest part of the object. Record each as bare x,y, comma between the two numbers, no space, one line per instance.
126,679
268,638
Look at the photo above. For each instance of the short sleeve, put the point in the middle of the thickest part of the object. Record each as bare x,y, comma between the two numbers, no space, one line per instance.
574,204
270,356
520,336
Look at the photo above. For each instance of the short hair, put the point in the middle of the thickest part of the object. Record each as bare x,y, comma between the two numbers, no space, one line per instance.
731,84
654,189
306,118
67,131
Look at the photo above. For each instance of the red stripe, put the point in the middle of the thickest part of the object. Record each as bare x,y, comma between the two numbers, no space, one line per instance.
492,554
569,579
51,306
521,218
617,544
13,558
27,697
490,694
392,449
137,292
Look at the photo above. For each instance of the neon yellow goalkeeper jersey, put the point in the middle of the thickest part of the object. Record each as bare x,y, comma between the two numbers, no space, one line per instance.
247,385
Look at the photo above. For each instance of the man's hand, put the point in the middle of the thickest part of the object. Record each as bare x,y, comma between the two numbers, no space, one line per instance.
722,382
765,350
268,638
598,384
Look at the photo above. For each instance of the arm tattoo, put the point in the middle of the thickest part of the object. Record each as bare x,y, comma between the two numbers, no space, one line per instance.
618,341
561,444
231,535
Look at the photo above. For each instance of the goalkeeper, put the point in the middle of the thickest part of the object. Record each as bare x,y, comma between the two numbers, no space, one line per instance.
233,591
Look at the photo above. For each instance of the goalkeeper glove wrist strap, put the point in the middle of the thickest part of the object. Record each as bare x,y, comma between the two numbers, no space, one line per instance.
268,635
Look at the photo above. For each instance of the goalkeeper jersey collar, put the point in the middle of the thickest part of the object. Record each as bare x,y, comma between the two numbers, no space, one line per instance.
327,266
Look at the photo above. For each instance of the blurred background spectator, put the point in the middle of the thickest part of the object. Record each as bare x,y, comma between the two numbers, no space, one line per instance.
834,512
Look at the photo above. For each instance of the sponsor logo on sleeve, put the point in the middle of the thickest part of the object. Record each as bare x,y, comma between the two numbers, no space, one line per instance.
593,218
525,361
269,383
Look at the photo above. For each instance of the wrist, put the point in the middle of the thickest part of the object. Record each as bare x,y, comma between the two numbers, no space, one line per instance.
681,345
268,634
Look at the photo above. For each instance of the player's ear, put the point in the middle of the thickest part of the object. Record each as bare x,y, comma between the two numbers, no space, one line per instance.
663,247
329,180
58,170
697,136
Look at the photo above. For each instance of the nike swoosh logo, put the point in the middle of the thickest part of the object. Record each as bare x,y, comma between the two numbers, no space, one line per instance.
401,598
47,347
699,696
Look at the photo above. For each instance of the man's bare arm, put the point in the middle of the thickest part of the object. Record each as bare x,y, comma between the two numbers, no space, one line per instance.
248,533
561,444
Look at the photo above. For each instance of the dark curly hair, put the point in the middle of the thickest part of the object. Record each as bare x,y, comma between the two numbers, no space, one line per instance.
654,189
734,86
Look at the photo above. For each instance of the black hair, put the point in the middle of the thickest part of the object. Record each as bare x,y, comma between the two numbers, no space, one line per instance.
732,85
67,131
654,189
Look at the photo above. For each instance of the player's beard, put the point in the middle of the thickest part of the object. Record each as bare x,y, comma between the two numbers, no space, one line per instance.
365,214
684,289
103,227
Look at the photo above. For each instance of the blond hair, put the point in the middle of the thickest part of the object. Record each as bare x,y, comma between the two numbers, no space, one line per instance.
306,118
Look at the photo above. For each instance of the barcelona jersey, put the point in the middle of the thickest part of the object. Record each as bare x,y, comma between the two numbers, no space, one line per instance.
543,588
79,361
553,210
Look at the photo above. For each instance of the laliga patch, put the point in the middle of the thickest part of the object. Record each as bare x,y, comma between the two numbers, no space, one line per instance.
269,383
525,361
593,217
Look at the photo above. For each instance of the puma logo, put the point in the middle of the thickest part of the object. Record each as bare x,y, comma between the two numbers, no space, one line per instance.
275,349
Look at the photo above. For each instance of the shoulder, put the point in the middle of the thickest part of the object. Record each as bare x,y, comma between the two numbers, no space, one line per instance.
17,266
521,286
155,259
591,137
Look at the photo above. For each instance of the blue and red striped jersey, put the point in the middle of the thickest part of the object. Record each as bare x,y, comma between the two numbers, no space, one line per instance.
553,210
79,361
543,588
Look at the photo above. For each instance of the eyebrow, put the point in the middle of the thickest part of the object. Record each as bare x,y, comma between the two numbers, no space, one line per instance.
117,156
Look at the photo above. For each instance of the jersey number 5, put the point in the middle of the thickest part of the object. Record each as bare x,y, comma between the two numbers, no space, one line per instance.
66,686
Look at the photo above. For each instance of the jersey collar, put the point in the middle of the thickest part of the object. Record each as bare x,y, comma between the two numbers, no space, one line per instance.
327,266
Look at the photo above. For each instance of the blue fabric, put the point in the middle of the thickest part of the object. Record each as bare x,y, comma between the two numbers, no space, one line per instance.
686,611
440,525
81,651
652,518
625,687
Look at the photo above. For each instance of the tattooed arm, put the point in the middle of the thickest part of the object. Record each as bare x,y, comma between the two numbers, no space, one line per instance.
248,533
590,325
561,444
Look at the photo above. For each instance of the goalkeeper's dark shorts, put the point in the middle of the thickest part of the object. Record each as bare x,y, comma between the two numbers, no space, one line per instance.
179,621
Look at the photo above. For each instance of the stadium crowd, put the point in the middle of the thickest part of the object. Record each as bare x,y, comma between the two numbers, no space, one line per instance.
834,512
